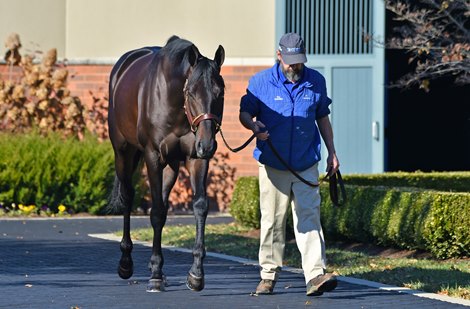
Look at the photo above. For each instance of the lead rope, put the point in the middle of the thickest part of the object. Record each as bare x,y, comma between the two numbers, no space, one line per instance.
334,180
238,148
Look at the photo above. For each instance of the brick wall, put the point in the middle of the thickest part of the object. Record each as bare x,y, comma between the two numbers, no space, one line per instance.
86,81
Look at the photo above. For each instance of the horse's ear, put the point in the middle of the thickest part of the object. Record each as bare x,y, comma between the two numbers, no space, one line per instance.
192,55
219,56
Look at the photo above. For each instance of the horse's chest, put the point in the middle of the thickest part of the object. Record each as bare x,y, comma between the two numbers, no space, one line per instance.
173,147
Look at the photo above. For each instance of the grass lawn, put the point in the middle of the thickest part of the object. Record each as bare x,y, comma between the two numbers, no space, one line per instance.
394,267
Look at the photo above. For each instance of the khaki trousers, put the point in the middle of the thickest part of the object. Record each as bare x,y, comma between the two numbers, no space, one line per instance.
279,190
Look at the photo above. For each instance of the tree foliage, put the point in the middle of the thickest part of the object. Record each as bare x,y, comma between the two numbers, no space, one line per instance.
435,34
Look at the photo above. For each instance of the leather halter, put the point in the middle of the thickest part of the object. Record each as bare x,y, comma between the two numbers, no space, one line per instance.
195,121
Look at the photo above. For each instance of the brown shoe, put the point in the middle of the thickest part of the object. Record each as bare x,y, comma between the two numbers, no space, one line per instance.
265,286
320,284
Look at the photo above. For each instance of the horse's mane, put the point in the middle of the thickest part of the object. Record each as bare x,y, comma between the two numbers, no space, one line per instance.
175,47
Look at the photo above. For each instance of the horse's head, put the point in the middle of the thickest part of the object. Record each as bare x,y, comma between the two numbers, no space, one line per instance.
204,99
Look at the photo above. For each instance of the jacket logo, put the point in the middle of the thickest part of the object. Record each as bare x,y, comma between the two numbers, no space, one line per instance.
278,98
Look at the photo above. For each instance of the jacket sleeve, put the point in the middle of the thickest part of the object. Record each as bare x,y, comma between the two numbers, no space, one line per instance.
249,103
323,106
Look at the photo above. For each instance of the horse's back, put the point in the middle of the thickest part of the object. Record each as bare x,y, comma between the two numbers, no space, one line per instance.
127,59
125,81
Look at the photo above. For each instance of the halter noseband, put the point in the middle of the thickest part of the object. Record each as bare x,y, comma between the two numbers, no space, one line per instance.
195,121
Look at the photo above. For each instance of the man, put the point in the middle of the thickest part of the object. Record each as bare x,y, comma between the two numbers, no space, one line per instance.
287,100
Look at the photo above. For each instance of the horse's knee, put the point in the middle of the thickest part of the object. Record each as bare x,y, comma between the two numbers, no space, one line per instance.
201,206
158,217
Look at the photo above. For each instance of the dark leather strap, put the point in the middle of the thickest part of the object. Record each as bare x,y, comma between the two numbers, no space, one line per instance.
238,148
334,180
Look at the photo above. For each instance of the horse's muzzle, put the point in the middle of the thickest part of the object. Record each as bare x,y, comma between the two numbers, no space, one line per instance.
205,143
205,150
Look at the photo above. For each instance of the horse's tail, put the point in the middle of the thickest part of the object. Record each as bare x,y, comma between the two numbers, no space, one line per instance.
117,200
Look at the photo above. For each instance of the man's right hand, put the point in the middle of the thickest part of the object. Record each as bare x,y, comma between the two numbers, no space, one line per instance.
259,129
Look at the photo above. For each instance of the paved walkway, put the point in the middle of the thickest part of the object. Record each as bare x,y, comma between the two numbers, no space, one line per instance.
55,263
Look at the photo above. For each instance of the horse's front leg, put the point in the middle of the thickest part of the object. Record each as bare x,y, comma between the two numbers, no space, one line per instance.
198,174
158,214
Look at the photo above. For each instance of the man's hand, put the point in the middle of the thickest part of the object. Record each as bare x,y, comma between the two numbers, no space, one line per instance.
259,129
332,164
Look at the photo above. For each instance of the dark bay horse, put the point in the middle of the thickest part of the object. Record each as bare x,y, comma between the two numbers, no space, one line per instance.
165,107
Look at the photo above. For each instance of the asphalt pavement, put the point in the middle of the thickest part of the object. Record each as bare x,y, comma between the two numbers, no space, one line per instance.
72,263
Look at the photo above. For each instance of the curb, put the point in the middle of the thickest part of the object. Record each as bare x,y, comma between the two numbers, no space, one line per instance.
90,217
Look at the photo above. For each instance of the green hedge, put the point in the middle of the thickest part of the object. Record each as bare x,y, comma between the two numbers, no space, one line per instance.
244,207
442,181
52,171
438,222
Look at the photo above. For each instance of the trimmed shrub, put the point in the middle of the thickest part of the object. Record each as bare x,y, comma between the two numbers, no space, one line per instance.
442,181
438,222
52,171
245,202
245,207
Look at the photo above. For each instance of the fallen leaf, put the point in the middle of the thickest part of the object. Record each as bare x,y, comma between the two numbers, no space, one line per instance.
443,292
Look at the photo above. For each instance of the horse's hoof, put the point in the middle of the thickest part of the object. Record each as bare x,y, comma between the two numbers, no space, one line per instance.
195,283
156,285
126,271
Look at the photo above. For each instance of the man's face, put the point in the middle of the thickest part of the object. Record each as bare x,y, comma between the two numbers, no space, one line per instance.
293,72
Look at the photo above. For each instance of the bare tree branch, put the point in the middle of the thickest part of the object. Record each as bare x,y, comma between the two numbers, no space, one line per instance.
436,37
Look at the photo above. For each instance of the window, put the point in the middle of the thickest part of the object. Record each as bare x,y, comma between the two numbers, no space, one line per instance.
331,27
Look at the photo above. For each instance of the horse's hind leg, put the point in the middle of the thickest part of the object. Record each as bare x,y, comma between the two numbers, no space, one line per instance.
126,161
198,175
